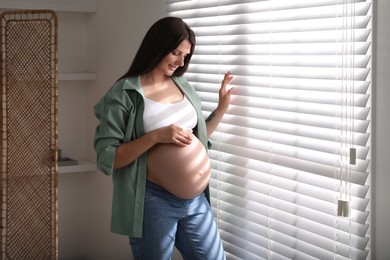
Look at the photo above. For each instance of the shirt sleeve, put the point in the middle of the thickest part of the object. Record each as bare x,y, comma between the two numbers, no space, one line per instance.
112,112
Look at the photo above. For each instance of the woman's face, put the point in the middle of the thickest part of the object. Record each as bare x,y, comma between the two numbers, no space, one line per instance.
174,59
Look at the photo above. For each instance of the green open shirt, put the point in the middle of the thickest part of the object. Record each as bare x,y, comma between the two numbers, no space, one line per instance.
120,112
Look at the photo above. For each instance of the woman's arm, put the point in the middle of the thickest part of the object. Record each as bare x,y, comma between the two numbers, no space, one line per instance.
224,100
128,152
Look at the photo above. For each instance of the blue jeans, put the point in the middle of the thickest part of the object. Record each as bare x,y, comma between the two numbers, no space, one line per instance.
170,221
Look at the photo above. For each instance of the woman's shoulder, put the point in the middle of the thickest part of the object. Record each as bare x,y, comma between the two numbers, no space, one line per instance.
119,94
124,85
127,83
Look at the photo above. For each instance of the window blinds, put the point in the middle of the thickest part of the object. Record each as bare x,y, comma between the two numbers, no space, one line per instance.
280,157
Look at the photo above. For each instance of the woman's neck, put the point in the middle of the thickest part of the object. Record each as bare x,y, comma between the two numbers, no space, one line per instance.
153,78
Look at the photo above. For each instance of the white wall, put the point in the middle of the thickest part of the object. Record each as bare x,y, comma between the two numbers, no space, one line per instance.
119,26
381,127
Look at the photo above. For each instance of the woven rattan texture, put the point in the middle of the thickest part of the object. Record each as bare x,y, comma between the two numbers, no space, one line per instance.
29,131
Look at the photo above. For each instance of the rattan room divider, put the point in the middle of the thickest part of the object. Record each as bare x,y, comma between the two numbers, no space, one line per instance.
29,169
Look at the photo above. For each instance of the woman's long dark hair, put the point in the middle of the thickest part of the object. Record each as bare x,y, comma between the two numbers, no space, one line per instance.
162,38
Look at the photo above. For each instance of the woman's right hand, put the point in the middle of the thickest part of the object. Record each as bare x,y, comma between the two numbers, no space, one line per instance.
128,152
173,134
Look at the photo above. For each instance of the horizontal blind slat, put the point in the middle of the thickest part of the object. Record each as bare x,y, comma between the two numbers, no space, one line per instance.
360,35
285,26
312,127
248,171
360,74
293,48
249,13
360,61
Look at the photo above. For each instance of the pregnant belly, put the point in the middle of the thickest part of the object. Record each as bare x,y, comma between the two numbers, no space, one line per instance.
182,171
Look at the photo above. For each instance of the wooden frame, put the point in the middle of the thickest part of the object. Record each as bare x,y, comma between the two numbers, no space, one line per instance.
29,167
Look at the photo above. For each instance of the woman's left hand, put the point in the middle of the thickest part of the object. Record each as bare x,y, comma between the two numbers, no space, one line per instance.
224,101
224,94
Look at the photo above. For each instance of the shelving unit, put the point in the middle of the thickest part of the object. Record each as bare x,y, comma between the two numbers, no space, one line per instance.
72,46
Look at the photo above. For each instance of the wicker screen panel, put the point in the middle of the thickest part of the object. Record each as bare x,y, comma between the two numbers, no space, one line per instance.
29,178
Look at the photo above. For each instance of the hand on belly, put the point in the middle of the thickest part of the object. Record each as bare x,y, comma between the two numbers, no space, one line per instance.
183,171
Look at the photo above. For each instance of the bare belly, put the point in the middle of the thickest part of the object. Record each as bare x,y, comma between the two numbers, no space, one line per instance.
183,171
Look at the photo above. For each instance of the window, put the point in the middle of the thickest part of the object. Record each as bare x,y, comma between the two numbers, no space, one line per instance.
291,158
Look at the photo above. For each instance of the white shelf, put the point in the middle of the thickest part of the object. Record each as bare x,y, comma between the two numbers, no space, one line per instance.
82,166
77,76
83,6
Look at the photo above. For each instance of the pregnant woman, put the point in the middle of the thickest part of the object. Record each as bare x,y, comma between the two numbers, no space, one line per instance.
152,138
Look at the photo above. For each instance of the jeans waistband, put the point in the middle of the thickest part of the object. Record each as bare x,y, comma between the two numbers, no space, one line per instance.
154,186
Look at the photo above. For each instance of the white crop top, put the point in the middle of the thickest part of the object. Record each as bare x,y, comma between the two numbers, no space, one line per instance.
157,115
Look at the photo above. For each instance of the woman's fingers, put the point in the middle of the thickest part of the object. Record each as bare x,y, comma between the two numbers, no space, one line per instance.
227,78
180,136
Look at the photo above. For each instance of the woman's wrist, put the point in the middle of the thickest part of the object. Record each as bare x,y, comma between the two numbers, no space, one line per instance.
153,137
220,110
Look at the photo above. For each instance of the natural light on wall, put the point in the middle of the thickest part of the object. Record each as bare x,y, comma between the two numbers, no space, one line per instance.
291,158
